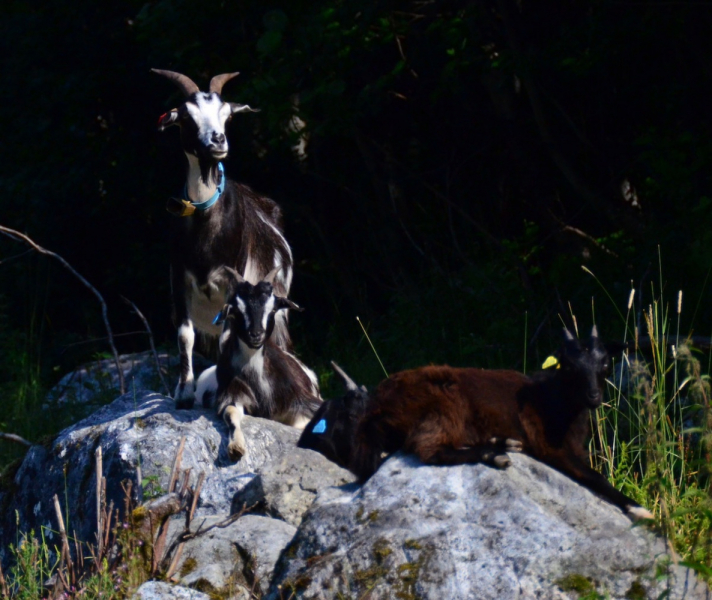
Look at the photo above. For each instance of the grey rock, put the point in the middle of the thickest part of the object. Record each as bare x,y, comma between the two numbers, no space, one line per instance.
286,488
97,383
144,425
233,561
158,590
470,531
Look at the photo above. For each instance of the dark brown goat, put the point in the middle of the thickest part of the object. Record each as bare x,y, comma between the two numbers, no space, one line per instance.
452,416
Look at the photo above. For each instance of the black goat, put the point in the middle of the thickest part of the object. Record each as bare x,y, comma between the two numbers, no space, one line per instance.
450,416
331,429
253,374
221,223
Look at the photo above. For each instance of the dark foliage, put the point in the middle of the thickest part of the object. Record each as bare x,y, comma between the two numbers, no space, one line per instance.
464,159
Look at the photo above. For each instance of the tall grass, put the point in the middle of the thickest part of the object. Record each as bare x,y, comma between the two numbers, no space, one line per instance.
653,437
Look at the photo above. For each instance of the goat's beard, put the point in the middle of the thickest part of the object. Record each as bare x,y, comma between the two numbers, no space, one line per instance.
209,167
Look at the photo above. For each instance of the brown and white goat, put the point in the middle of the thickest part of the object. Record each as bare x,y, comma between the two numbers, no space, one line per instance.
253,374
450,416
219,222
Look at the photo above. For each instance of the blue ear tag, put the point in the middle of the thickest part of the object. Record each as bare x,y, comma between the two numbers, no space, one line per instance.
217,318
320,427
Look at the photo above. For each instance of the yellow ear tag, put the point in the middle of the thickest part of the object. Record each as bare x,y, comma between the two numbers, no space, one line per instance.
550,362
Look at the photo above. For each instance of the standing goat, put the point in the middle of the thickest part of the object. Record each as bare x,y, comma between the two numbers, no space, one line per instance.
220,222
253,374
450,416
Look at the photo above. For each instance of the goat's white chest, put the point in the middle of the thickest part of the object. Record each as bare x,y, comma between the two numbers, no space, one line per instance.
204,302
251,364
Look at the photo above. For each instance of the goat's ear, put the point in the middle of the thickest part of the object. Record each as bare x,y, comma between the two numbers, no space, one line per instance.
281,303
222,316
168,119
238,108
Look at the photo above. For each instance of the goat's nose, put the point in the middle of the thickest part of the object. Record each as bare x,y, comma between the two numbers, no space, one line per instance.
218,138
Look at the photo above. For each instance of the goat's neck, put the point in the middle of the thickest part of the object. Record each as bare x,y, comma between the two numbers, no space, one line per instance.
202,180
246,358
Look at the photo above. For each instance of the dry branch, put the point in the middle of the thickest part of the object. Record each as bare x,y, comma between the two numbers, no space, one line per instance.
12,437
21,237
150,339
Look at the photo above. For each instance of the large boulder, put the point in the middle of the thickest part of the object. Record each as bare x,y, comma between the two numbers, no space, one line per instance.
416,531
145,428
97,382
158,590
287,489
233,561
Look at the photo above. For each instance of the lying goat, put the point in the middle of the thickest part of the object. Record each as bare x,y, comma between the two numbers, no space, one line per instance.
450,416
253,374
220,223
331,429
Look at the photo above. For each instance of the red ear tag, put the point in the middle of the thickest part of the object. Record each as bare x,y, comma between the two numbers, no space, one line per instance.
160,119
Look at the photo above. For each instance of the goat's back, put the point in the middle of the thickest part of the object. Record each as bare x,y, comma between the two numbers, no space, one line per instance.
464,401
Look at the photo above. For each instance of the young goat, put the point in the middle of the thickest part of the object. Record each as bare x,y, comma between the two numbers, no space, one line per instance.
253,374
331,429
452,416
221,223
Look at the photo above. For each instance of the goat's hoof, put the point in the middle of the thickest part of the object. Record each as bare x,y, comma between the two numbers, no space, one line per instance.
639,513
513,445
501,461
236,451
185,395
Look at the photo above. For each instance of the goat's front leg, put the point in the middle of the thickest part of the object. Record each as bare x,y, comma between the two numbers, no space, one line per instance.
231,405
594,481
236,447
185,390
487,454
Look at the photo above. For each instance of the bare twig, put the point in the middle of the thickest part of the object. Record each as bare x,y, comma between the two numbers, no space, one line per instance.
159,546
174,563
9,258
66,555
99,475
153,346
12,437
3,585
17,236
589,238
196,495
176,465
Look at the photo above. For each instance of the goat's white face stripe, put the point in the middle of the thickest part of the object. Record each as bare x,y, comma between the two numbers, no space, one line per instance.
209,115
243,310
269,306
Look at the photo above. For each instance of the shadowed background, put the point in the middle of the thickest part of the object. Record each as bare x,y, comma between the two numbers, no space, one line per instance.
462,161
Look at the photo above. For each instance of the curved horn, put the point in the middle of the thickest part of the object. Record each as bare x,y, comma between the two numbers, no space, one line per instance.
269,278
185,83
217,82
348,382
594,333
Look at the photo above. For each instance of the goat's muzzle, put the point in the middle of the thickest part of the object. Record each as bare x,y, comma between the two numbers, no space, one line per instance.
255,340
593,398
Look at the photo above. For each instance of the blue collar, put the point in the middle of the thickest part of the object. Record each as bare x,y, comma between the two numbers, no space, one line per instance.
214,198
